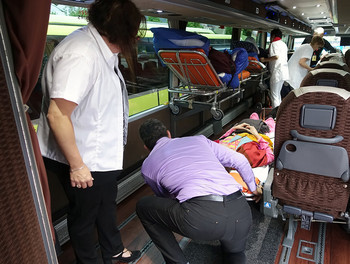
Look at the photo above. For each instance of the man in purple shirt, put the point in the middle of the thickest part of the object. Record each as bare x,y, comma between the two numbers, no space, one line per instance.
196,197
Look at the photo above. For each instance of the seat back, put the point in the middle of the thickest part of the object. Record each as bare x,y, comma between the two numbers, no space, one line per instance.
327,77
333,65
192,67
333,57
312,143
248,46
347,57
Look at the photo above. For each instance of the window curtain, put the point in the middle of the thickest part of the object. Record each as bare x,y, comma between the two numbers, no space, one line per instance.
27,23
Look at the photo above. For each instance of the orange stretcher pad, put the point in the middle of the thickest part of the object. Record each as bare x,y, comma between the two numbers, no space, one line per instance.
244,75
239,179
193,67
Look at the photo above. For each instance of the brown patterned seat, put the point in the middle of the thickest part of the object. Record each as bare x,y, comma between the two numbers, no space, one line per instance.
333,65
333,57
347,57
312,142
327,77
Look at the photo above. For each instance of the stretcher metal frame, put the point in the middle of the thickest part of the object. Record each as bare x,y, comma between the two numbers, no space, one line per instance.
261,76
199,83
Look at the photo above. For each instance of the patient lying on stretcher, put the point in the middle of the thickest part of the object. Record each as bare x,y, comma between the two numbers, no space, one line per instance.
253,139
244,138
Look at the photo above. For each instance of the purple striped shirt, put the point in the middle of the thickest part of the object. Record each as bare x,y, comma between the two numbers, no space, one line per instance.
187,167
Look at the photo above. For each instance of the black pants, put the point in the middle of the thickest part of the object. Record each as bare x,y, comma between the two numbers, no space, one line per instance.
229,222
89,208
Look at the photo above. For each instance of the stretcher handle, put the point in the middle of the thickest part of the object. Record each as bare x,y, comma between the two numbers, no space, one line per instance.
334,140
262,65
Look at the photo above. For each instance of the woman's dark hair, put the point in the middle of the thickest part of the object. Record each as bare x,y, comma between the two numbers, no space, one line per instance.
152,130
122,23
276,32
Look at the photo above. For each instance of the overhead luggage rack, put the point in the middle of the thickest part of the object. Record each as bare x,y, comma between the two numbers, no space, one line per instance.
199,85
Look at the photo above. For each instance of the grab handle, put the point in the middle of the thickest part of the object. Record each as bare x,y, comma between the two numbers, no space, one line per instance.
334,140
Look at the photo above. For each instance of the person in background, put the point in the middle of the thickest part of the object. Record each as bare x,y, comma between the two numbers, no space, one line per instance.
316,55
299,63
195,195
278,66
82,131
252,40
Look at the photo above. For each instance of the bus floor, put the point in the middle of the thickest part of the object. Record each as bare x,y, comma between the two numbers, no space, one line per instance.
264,244
262,247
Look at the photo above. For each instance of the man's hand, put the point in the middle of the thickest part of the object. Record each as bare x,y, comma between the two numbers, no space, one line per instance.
258,193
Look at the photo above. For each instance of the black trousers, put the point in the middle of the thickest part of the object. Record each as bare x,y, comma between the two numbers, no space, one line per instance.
229,222
91,208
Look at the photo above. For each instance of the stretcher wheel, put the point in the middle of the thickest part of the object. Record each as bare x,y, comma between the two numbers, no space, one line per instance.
217,114
175,109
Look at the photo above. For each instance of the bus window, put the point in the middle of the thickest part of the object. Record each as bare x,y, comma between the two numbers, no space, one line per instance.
219,36
297,42
246,33
334,41
148,90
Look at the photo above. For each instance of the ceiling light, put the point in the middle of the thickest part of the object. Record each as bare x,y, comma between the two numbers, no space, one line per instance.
302,14
318,5
322,13
294,7
159,11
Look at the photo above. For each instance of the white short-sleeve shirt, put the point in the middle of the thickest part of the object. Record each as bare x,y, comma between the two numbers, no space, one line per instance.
81,70
279,68
296,72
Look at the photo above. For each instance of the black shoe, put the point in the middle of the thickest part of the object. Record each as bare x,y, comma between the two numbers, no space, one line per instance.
133,256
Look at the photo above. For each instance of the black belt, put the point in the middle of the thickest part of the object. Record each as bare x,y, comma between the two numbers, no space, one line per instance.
220,198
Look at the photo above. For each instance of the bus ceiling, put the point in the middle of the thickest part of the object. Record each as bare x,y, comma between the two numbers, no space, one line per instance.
295,17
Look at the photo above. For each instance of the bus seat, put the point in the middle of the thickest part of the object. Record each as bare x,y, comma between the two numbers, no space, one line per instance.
347,57
333,65
248,46
327,77
312,142
149,69
333,57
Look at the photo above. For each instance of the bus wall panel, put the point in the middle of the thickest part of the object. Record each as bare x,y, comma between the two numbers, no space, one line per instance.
134,150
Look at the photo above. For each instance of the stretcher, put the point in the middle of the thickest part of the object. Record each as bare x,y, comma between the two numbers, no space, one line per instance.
199,82
258,72
261,173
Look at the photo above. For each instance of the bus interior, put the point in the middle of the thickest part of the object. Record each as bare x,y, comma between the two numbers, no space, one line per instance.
190,99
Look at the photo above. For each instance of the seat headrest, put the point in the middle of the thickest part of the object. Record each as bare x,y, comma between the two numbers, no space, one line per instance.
328,70
325,89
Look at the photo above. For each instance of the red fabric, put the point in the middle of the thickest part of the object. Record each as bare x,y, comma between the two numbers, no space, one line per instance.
276,39
256,157
27,23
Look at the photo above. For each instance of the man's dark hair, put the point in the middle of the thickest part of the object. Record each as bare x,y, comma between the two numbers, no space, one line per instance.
152,130
121,22
276,32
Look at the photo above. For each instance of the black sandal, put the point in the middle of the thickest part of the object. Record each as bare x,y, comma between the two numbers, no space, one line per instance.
134,255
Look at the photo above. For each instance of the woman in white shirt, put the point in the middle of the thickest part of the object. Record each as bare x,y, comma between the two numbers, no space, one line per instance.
82,130
299,63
